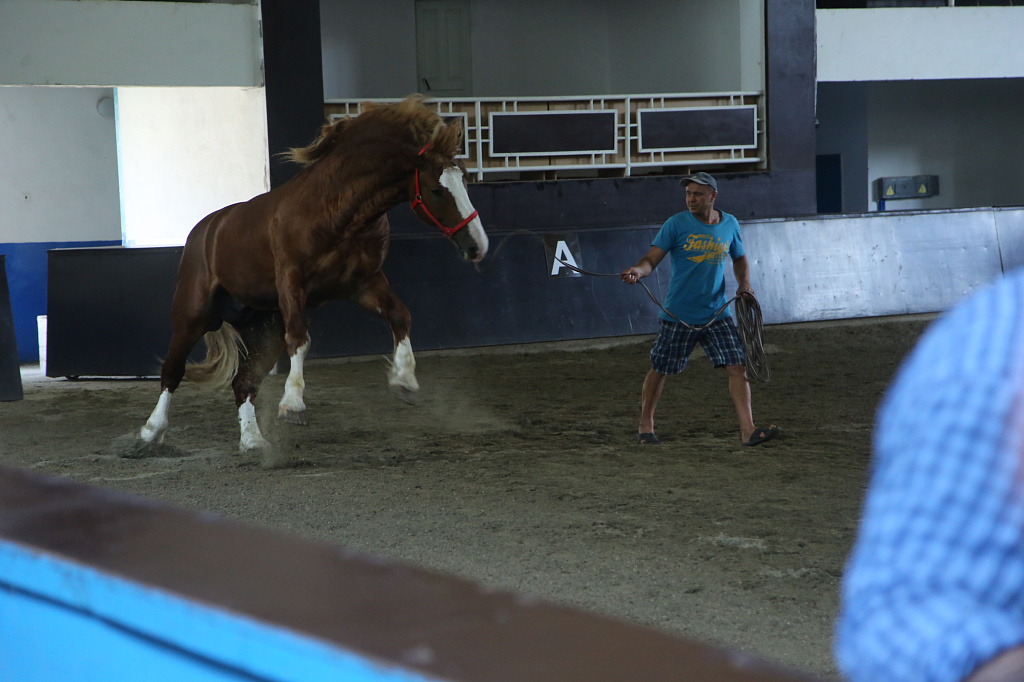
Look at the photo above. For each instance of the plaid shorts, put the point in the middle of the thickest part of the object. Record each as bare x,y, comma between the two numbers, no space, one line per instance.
675,342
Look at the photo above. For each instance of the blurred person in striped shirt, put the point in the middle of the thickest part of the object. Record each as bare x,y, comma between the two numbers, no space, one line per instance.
934,588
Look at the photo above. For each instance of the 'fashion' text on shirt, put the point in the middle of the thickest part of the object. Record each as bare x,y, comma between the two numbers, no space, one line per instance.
713,249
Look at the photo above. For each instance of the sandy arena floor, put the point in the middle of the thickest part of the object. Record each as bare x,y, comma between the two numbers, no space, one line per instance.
518,469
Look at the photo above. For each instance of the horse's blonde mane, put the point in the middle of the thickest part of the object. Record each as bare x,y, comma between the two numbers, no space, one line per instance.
425,124
310,154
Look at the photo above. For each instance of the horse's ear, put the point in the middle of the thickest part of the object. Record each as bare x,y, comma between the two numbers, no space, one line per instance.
448,139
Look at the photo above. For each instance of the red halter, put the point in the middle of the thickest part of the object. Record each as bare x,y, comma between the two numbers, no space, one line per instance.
418,201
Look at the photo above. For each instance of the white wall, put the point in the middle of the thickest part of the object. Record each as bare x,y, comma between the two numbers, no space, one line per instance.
920,43
555,47
940,89
62,155
968,132
185,152
90,42
58,179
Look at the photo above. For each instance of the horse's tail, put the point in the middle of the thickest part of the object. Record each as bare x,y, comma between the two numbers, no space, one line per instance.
224,349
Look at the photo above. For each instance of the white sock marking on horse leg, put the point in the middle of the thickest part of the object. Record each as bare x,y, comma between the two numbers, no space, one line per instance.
451,179
157,423
403,369
292,401
252,438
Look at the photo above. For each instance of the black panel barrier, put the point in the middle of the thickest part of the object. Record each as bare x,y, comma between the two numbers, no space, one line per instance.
789,116
109,308
10,370
697,128
552,133
293,67
516,300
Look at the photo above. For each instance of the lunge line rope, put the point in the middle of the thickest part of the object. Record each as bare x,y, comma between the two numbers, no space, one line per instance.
748,313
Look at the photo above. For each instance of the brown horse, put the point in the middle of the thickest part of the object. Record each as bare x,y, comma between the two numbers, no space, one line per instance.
250,271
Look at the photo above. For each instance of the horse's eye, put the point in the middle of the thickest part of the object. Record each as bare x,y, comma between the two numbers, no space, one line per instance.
437,193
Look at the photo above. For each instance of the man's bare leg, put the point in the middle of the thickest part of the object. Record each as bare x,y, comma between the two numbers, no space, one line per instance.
654,382
739,390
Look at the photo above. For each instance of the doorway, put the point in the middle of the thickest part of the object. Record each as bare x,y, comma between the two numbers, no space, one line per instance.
829,176
443,50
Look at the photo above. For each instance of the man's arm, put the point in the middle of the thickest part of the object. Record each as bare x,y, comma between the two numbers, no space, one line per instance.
644,267
741,269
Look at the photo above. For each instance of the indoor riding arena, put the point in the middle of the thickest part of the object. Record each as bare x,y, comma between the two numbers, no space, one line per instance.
518,466
501,523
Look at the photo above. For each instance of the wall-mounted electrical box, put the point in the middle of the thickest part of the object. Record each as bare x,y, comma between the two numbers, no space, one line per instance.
906,187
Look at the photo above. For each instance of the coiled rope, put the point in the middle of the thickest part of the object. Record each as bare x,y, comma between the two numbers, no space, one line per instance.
748,321
748,312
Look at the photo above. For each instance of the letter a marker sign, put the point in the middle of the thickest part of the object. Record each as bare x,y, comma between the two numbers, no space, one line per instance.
562,250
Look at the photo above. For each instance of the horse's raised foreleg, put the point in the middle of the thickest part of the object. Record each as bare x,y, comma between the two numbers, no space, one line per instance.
377,296
191,316
292,302
185,336
292,408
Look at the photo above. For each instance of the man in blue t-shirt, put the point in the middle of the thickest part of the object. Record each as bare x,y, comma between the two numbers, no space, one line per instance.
699,241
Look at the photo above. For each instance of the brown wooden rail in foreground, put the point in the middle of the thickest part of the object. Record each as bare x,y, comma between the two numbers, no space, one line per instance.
396,617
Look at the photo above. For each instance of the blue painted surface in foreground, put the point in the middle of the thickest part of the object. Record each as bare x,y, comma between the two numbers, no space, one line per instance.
26,277
60,620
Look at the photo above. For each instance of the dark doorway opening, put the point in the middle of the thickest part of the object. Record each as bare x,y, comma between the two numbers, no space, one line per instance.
829,175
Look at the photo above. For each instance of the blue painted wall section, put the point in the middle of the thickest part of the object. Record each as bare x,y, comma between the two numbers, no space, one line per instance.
26,276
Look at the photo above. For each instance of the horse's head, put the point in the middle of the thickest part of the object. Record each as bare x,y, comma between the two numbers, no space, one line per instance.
438,193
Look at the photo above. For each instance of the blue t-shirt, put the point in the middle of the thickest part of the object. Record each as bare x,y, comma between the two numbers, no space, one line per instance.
697,288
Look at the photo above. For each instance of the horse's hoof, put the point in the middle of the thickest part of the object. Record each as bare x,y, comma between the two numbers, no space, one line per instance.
403,394
130,446
275,458
297,417
256,446
269,455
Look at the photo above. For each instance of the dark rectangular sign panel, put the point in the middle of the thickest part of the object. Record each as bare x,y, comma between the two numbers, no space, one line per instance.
552,132
663,130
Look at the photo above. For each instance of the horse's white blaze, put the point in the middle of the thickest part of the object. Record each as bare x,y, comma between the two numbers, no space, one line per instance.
403,369
252,438
451,179
292,401
157,422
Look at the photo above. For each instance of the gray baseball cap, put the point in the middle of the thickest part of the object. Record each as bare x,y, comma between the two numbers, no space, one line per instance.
701,178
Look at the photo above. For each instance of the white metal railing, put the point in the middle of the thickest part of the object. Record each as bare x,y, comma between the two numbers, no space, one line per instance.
626,155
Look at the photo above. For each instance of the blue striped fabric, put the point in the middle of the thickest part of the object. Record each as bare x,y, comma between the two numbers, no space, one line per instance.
935,584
